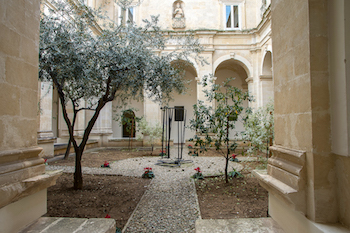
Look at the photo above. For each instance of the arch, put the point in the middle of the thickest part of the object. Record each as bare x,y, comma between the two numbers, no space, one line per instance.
187,99
239,59
129,124
266,64
191,62
187,66
231,68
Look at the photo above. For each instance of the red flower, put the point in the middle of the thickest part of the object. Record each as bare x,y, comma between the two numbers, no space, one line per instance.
234,156
197,169
106,164
108,216
148,168
45,160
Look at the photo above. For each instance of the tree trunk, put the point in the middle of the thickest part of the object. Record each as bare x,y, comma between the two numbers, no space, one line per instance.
66,155
226,168
228,149
78,176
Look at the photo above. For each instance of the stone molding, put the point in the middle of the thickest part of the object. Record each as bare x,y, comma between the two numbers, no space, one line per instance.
250,79
16,191
22,173
179,23
286,176
9,156
16,172
265,77
45,134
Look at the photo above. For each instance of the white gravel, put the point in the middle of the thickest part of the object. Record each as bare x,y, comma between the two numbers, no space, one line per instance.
170,203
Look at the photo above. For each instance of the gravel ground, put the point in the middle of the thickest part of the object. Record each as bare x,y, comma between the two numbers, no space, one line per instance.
170,204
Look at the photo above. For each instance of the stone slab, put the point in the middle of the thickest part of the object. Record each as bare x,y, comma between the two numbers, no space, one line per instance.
246,225
68,225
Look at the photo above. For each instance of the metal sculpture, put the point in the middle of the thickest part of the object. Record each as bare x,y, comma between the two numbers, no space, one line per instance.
169,116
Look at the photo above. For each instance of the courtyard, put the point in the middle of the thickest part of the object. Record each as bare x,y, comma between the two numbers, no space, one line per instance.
171,202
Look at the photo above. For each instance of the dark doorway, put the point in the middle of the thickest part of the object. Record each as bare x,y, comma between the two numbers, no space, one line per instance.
129,126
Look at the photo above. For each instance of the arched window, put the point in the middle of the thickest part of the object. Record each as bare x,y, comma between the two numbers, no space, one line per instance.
128,122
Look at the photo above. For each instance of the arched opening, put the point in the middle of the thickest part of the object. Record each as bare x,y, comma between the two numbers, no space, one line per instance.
232,69
266,80
129,125
187,99
267,64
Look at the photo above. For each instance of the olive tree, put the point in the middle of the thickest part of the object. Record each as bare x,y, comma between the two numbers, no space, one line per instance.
213,124
90,65
259,127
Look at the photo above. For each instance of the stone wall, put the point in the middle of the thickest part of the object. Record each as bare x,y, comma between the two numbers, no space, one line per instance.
193,11
18,74
307,176
23,180
339,53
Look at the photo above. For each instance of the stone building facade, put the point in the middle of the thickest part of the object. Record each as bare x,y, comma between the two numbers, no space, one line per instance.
308,177
237,41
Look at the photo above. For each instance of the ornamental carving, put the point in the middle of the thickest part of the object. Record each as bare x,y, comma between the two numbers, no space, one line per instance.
178,15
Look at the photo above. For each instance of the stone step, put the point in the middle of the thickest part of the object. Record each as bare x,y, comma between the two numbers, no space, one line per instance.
246,225
70,225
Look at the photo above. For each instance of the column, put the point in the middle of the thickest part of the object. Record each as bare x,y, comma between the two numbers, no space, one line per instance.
102,130
45,135
23,179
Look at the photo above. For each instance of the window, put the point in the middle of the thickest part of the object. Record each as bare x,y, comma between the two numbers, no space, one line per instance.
129,15
232,17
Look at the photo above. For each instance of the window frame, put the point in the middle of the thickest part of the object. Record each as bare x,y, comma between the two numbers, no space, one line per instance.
133,14
126,14
232,5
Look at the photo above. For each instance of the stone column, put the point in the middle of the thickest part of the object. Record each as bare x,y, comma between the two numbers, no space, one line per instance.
152,111
266,89
102,130
205,71
153,116
45,134
251,91
23,180
301,175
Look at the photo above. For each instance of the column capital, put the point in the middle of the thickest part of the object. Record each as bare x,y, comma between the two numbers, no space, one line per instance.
249,80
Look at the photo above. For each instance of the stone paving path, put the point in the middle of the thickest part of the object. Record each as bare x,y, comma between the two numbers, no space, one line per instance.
171,204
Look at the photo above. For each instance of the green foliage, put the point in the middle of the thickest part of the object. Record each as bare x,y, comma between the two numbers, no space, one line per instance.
150,132
259,126
198,174
123,117
214,124
234,174
148,173
90,65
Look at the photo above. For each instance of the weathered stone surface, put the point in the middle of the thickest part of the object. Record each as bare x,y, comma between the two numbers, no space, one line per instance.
11,156
17,215
15,191
21,171
68,225
247,225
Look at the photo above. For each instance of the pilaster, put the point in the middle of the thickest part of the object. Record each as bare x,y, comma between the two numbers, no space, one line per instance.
46,138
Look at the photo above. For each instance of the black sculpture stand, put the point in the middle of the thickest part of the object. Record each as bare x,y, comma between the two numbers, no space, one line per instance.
170,115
